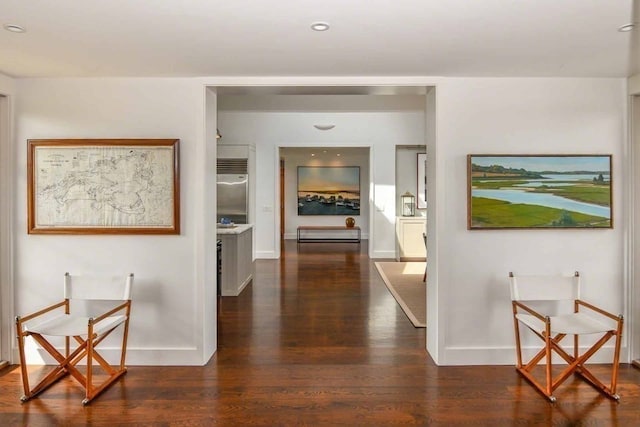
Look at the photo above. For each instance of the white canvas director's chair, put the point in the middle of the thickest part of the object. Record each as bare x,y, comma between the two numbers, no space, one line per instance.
581,319
86,330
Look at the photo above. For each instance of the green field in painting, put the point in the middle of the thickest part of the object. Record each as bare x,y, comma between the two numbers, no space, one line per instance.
597,194
487,213
588,193
496,184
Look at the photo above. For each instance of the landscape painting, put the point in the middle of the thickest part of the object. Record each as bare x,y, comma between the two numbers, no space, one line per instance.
539,191
324,190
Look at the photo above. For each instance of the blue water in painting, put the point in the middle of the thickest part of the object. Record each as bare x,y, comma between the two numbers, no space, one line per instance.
555,180
317,208
541,199
558,180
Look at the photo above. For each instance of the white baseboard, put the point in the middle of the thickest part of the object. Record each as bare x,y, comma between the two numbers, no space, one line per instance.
459,356
266,255
383,255
188,356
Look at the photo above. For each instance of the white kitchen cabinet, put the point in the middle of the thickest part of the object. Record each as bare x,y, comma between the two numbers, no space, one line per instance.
409,241
237,262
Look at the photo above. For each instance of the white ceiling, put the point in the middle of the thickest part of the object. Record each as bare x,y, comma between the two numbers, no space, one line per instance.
571,38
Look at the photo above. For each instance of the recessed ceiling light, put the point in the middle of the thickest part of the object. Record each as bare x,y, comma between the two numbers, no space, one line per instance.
338,154
626,28
312,155
320,26
324,127
14,28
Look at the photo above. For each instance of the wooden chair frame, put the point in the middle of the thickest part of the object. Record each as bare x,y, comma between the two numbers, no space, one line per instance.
552,338
87,339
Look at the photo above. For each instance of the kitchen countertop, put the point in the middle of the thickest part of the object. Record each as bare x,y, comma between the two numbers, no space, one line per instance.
238,229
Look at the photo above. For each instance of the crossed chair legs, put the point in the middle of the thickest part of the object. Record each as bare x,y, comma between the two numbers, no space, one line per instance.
67,364
575,363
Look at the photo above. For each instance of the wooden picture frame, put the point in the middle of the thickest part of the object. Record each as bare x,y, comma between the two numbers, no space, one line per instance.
539,191
103,186
421,197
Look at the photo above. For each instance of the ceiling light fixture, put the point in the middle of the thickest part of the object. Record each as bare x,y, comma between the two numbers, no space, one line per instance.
324,127
627,27
14,28
320,26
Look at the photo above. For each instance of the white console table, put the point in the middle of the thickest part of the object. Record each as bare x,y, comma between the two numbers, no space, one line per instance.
237,258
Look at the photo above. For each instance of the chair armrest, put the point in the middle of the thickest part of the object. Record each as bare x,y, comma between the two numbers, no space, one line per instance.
112,311
41,312
598,310
530,311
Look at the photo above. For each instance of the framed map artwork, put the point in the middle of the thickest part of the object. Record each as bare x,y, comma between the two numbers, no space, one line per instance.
103,186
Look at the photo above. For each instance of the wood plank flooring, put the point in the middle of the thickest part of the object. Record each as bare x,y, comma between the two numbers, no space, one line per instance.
317,340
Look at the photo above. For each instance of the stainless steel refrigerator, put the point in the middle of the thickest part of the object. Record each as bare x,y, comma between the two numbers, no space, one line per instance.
232,197
233,190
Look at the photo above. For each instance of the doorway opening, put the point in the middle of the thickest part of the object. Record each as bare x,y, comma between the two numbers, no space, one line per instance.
328,205
377,118
282,199
411,217
5,232
634,291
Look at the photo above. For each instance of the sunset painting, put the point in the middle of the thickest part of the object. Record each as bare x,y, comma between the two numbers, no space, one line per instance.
324,190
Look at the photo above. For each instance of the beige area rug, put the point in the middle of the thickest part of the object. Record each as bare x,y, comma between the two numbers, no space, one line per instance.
404,280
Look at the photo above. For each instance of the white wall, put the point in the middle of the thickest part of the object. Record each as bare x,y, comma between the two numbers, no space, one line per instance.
519,116
294,157
435,209
7,91
634,84
206,250
378,122
7,85
407,175
169,290
467,286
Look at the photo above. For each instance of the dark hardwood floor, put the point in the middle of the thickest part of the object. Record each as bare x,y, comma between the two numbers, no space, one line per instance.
315,340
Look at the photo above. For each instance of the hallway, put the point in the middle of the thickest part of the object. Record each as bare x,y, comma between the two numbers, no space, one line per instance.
318,340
